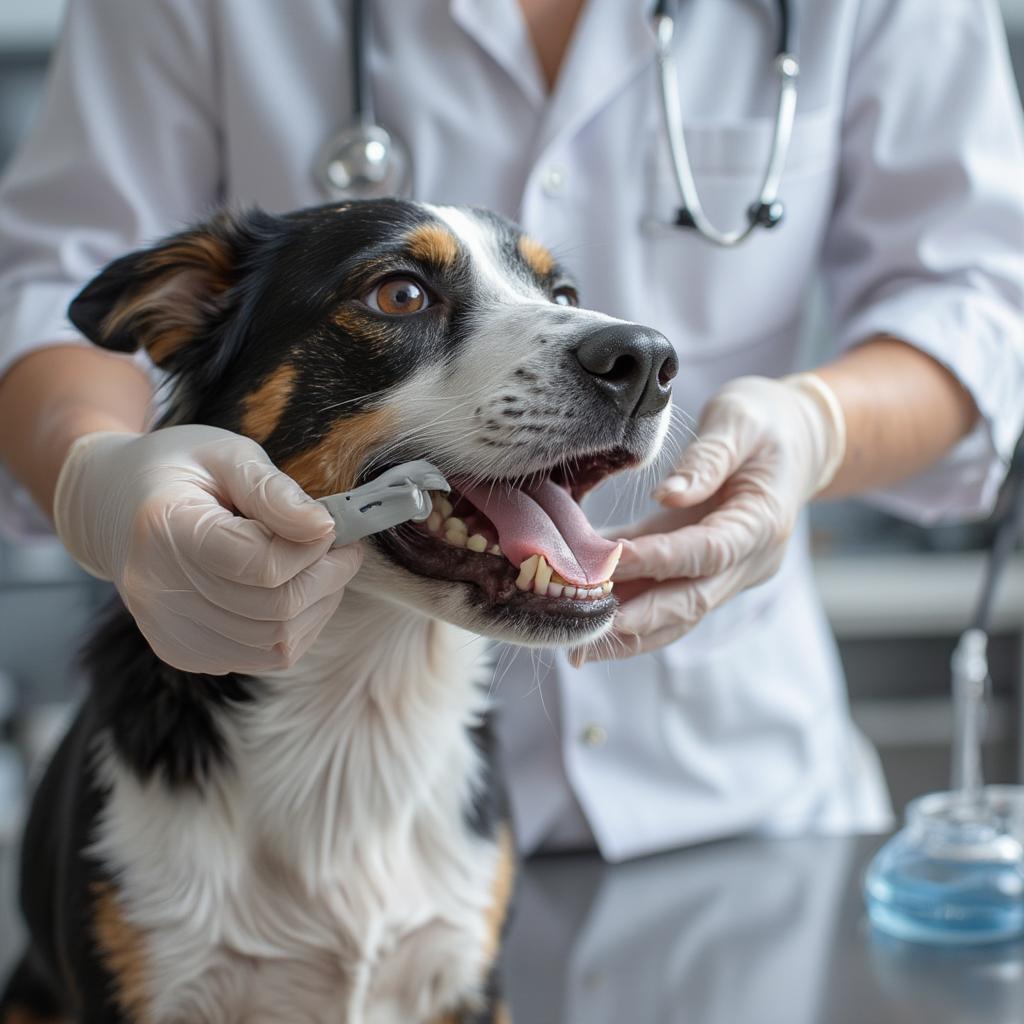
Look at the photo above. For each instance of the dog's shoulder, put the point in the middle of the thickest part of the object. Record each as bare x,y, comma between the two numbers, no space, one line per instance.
160,720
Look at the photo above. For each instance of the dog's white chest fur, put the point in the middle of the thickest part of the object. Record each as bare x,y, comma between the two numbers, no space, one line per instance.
329,876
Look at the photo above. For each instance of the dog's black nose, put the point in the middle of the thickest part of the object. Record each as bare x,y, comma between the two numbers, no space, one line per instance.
633,366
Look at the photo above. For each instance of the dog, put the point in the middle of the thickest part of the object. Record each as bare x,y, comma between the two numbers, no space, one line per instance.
329,842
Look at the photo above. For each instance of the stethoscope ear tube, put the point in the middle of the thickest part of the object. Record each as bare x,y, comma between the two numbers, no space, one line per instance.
767,210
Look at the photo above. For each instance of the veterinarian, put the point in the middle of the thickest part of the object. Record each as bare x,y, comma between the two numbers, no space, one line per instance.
904,193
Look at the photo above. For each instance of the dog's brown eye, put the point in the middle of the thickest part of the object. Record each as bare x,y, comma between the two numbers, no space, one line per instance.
398,296
565,295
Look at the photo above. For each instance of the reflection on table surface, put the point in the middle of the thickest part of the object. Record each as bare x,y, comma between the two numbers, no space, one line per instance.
740,932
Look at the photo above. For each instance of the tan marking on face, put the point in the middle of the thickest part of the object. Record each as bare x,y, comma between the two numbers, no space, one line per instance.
433,243
122,949
359,325
265,406
537,256
501,893
332,464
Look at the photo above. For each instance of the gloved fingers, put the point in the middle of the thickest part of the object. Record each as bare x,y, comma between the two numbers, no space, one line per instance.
261,492
679,605
701,471
251,633
193,647
655,618
233,548
729,433
327,575
746,523
196,636
614,646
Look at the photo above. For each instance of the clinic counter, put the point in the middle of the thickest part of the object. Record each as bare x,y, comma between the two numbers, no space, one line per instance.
749,931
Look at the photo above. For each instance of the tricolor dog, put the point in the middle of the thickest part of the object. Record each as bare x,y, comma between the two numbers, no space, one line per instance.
327,843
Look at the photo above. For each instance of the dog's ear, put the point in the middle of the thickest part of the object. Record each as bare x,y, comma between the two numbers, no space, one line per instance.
166,297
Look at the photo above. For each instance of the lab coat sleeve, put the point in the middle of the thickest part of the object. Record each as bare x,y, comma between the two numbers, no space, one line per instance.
124,149
927,238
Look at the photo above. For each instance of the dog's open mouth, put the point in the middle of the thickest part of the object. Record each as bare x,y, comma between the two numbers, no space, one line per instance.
525,542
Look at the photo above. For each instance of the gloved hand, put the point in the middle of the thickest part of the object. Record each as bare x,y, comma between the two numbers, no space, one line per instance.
764,448
213,589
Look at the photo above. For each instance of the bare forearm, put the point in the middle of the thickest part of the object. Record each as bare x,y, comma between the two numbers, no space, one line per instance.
903,412
52,397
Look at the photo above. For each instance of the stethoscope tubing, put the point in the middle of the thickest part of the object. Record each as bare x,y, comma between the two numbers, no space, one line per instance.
766,211
352,147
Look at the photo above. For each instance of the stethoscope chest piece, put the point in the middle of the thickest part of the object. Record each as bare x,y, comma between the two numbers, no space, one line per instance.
363,161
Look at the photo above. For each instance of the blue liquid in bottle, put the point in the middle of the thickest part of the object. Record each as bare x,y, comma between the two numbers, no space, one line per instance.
949,880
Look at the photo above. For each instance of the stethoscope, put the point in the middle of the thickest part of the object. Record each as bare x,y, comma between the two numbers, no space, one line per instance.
364,161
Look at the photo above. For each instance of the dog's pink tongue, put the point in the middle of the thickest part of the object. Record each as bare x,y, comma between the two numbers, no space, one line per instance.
546,521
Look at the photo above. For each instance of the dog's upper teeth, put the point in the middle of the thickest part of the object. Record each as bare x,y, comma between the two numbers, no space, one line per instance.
444,506
434,521
454,524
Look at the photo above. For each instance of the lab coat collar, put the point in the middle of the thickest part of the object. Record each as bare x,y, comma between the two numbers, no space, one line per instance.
623,34
499,29
620,30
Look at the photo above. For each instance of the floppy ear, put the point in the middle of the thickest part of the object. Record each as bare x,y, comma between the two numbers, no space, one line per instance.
164,297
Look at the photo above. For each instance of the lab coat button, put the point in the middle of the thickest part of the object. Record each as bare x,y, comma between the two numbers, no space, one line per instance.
553,181
594,735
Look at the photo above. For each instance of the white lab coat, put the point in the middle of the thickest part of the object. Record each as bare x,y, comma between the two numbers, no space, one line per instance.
905,189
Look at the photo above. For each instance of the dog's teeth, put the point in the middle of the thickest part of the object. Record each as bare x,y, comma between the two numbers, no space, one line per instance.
457,538
554,589
434,521
543,576
591,593
555,578
526,572
495,549
478,543
568,592
456,525
606,587
444,506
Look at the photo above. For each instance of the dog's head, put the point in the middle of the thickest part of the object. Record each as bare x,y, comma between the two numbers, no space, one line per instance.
348,339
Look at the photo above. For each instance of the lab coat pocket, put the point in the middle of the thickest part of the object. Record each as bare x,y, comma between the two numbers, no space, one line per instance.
728,298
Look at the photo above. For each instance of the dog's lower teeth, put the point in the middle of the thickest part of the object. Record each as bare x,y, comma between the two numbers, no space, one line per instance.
456,538
478,543
455,525
527,571
535,574
434,521
542,577
494,549
444,506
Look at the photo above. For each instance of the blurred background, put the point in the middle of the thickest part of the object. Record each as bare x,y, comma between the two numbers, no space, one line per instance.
897,595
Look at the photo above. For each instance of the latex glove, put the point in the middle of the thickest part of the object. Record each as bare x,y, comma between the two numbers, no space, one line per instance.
222,559
764,448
